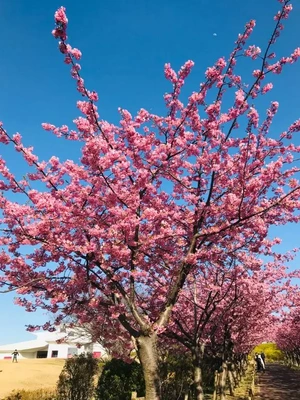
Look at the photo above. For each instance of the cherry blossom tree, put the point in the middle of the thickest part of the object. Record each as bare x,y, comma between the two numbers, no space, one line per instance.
228,310
288,340
116,236
286,334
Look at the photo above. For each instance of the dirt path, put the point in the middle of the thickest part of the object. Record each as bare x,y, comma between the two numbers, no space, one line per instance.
279,383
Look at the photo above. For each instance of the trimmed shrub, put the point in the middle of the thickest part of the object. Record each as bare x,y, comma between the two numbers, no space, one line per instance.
119,379
76,381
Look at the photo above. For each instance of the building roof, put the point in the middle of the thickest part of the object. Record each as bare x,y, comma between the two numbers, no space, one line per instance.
29,345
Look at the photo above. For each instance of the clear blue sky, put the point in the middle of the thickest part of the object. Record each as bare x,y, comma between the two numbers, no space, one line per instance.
125,45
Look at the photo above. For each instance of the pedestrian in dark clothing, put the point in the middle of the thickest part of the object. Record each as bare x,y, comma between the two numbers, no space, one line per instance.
263,357
257,362
15,355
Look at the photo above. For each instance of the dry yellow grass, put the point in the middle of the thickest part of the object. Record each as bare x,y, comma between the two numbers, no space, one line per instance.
29,374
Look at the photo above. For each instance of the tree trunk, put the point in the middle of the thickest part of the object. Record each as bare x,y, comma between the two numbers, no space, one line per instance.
235,375
223,381
198,384
147,352
216,385
231,379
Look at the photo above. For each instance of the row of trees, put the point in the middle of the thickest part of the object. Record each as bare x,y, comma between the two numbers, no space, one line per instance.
288,332
161,232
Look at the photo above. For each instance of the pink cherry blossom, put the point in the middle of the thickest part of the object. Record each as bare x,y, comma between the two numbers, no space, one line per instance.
267,88
253,52
165,220
60,16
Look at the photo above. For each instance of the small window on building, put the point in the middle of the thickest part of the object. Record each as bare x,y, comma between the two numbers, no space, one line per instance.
54,353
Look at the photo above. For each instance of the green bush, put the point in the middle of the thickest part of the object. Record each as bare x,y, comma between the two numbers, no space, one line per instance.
119,379
270,350
76,381
41,394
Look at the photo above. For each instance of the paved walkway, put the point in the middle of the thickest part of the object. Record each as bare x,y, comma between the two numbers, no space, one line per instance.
279,383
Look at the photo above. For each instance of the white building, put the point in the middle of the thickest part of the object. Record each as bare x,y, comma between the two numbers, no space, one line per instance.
63,343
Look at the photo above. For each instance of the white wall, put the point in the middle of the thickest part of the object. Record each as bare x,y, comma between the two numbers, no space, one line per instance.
92,348
97,348
82,350
62,350
21,355
72,351
3,355
27,354
88,348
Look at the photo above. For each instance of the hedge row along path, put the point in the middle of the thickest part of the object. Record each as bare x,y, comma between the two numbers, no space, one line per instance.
279,383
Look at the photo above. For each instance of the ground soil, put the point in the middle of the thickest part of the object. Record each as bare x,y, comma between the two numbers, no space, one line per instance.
29,374
279,383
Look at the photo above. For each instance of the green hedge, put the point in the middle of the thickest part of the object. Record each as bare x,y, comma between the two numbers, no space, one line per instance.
119,379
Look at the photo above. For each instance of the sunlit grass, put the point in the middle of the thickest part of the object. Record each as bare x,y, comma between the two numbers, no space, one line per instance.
41,394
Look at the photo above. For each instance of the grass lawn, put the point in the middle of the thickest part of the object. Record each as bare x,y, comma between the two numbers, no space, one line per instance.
29,374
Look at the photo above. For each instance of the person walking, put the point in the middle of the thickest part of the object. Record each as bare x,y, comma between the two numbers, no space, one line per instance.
260,365
262,354
15,355
257,362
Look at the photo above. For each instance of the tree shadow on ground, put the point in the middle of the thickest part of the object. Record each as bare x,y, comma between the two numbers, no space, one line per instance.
279,383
